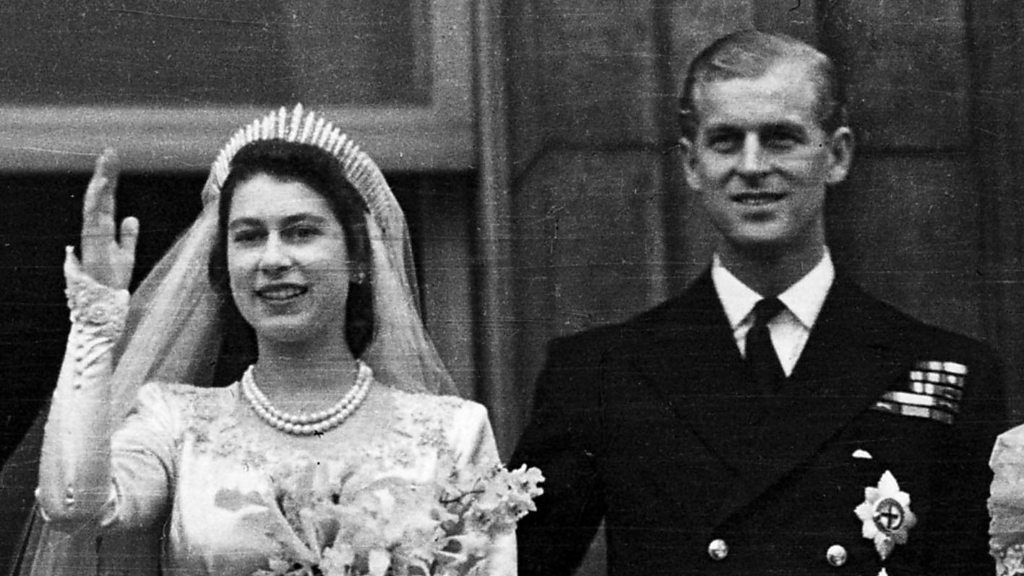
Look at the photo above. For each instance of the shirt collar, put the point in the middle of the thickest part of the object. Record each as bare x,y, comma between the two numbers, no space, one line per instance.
803,299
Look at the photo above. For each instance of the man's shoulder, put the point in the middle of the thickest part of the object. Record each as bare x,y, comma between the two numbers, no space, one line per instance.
633,332
906,332
595,341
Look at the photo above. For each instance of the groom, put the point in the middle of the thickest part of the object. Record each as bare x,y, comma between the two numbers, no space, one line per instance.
774,418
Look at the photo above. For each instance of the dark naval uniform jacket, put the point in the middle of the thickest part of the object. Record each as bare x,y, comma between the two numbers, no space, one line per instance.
652,426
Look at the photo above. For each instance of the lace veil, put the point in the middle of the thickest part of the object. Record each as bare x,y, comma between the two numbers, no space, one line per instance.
173,334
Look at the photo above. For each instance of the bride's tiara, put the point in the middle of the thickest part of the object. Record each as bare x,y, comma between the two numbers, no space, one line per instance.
310,128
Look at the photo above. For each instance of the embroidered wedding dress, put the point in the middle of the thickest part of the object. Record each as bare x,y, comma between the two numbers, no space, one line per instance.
200,480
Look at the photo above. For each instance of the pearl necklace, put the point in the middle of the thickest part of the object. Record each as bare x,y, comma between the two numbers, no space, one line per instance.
307,424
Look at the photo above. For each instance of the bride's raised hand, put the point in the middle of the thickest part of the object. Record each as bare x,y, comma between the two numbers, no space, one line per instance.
106,259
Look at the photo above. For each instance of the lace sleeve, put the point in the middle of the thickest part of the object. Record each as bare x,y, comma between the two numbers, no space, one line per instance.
94,307
1006,503
75,466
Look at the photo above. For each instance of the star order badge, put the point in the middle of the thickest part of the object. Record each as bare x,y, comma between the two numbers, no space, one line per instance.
886,515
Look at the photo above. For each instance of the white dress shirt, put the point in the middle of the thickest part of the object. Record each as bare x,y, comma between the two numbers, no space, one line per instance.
791,327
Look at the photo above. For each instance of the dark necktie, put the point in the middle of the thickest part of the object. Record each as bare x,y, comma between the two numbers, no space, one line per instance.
761,357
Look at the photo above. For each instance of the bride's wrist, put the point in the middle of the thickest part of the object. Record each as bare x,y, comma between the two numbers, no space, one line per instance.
96,307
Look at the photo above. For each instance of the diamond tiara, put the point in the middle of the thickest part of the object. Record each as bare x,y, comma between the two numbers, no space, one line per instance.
310,128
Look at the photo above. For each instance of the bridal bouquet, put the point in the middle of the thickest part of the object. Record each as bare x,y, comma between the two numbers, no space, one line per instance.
394,527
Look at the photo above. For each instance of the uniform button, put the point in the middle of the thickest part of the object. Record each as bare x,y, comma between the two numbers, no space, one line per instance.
836,555
718,549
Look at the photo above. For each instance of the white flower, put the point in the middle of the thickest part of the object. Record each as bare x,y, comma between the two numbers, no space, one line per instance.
379,561
337,561
886,515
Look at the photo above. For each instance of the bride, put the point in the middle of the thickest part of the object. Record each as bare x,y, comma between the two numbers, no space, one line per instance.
1006,503
339,449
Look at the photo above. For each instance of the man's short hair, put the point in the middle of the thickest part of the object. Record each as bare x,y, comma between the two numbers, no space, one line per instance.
751,54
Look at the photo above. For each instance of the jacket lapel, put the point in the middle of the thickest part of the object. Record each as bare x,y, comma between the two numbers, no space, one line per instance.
687,353
849,361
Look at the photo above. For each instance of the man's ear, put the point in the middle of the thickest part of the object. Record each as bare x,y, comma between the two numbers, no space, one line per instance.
689,156
840,154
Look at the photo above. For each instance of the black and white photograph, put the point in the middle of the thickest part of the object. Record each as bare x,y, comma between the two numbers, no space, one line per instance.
511,287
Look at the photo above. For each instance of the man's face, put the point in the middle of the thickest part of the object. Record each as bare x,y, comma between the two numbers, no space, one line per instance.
760,160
